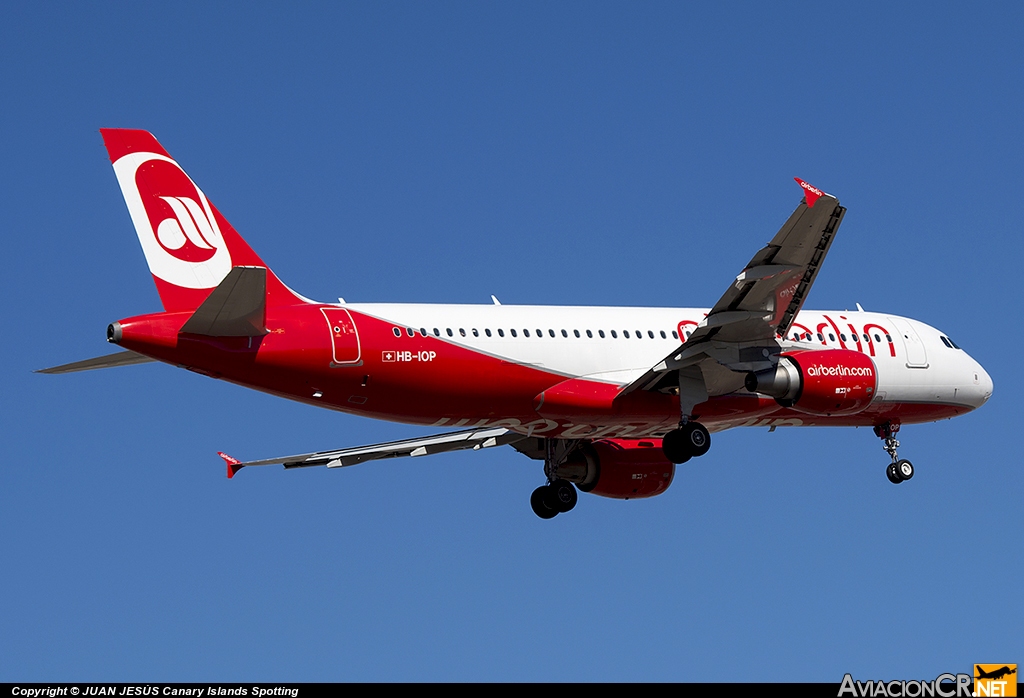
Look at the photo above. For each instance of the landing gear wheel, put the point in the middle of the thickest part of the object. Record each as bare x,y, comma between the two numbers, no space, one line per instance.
562,495
541,502
697,438
905,469
893,474
675,447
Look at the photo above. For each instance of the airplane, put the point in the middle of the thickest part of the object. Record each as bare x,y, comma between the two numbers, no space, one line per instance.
996,674
610,399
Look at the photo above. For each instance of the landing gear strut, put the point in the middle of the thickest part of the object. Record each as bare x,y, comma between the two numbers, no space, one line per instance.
898,470
690,440
558,496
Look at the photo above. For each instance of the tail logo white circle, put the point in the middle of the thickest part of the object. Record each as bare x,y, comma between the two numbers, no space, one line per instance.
174,221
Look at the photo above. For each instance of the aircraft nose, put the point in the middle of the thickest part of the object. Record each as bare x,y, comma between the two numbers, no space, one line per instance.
981,384
985,384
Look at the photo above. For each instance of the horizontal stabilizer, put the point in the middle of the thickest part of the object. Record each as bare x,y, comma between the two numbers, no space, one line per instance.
236,308
121,358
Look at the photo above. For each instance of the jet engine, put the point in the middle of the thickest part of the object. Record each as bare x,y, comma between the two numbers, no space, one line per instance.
825,382
619,468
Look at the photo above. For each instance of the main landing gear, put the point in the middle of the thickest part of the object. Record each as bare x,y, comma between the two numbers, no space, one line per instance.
554,498
559,495
690,440
898,470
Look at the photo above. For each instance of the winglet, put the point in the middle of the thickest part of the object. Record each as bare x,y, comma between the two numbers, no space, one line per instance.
234,465
812,193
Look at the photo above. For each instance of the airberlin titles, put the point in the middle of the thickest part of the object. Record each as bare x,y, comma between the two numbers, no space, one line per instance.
823,370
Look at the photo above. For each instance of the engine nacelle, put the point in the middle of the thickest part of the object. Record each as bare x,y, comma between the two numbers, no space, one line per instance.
825,382
619,468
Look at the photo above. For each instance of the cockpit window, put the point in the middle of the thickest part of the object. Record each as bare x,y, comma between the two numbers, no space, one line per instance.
945,341
955,346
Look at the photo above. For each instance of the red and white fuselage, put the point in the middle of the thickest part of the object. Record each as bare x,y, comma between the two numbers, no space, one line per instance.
490,365
609,397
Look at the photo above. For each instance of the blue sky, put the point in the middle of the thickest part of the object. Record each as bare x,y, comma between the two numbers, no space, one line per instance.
559,153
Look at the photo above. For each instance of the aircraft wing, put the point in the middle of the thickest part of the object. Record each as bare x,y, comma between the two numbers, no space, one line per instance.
739,333
474,439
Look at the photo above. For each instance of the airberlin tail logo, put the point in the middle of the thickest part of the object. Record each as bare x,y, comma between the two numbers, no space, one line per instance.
174,221
188,225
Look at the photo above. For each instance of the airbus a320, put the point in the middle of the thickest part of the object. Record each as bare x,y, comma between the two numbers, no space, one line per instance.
609,399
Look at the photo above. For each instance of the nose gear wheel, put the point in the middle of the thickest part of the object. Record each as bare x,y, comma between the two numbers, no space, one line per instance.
899,469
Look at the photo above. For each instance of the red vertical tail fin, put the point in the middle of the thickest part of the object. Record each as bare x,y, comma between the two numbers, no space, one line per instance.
190,247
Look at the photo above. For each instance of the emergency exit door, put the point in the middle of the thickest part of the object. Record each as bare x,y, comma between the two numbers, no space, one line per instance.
344,336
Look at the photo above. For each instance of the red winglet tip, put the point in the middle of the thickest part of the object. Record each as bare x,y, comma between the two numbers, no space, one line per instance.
812,193
234,465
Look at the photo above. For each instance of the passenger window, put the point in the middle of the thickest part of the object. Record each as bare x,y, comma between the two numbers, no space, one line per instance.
625,333
564,333
831,337
663,335
462,332
590,335
449,331
501,333
410,331
842,337
877,338
513,332
675,335
888,338
551,332
650,334
577,333
437,332
601,333
866,338
526,333
398,332
487,332
476,333
614,336
820,338
540,333
423,331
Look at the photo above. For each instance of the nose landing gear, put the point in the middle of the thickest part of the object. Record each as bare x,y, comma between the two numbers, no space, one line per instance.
899,469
